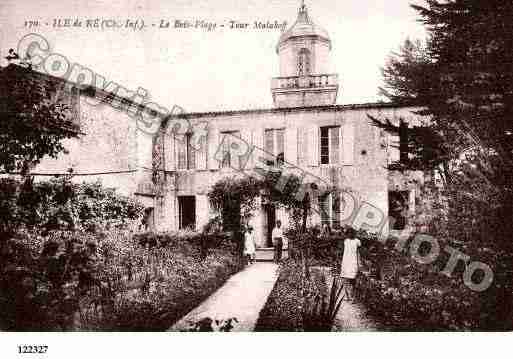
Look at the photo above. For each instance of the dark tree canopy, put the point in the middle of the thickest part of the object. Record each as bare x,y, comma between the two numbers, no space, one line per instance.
34,119
463,79
408,74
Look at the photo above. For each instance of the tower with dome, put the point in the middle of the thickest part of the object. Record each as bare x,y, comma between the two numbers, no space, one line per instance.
305,78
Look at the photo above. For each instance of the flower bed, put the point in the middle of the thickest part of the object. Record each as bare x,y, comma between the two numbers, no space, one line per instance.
409,296
283,310
80,281
404,295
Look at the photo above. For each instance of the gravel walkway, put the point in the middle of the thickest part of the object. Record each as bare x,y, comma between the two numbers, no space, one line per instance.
352,316
242,297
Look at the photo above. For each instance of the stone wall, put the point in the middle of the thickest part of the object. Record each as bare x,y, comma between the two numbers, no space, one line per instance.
107,149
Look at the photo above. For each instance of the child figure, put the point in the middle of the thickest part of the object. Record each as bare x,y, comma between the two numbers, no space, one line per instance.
249,245
349,268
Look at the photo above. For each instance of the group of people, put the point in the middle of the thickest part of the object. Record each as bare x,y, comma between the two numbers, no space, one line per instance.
277,238
350,259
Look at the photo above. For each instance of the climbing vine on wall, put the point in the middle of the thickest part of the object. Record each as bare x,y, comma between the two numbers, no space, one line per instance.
234,198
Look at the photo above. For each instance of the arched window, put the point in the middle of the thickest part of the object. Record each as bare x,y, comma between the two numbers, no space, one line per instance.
303,63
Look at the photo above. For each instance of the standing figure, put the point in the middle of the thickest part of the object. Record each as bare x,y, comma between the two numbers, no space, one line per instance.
349,268
249,245
277,237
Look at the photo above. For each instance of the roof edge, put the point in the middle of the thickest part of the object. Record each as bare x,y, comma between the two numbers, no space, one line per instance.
369,105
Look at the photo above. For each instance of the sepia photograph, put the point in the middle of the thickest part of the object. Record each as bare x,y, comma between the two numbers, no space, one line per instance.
255,166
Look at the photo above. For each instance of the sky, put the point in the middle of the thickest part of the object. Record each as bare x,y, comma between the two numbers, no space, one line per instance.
215,70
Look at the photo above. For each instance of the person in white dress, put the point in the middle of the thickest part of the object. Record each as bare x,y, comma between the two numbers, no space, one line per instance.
249,245
349,267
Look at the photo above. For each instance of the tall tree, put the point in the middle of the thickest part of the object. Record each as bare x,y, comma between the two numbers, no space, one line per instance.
34,119
463,78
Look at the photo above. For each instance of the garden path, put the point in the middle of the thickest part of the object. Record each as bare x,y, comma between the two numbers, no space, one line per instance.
352,316
242,296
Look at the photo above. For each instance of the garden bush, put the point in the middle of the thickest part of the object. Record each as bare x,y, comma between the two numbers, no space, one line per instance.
82,281
69,260
405,295
284,309
62,204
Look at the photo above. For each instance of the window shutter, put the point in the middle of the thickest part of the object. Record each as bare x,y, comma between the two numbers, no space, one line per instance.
394,153
181,152
269,144
245,161
291,136
347,144
258,142
302,147
201,154
213,143
235,158
169,151
313,146
334,145
280,143
191,154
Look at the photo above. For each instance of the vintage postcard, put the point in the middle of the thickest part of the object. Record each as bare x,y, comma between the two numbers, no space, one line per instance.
255,166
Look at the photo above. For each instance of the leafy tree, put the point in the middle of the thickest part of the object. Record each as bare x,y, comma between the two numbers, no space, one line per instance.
33,119
407,75
462,79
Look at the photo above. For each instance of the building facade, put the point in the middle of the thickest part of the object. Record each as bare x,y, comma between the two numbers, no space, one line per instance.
305,133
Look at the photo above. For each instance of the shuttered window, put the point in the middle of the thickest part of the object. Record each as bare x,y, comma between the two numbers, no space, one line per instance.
330,145
228,138
186,154
274,141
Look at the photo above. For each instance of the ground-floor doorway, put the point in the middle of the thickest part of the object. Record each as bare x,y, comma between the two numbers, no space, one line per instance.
187,212
269,223
148,220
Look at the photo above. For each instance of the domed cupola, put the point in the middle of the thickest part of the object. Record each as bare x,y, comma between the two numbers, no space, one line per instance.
305,79
303,28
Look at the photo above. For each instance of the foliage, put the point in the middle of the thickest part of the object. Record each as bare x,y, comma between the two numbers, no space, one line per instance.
320,311
405,295
204,241
43,278
209,325
407,74
62,204
422,148
33,119
463,81
234,198
83,281
284,308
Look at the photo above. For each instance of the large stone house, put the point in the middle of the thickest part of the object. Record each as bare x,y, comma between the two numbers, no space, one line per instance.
305,132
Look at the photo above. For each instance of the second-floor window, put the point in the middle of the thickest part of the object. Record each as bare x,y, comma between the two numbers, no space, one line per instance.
330,145
228,138
274,142
186,153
